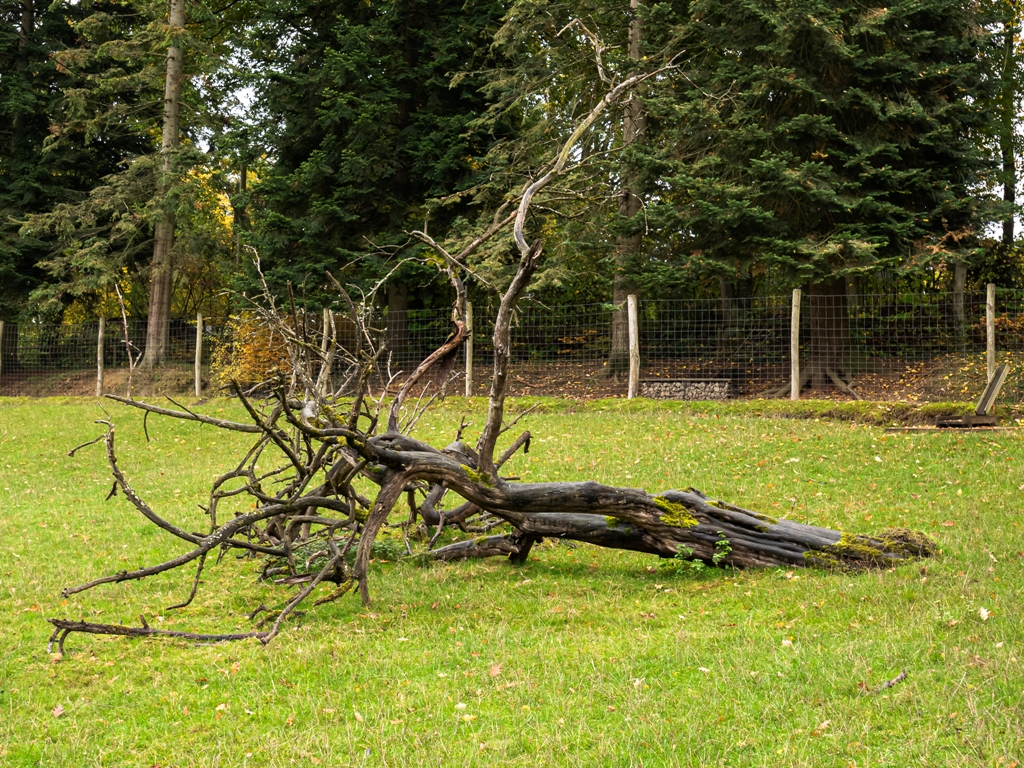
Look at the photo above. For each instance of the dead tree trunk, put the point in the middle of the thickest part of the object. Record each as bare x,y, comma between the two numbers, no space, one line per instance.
297,496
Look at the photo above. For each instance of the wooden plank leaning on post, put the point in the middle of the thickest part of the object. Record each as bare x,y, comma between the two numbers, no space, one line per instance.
794,347
469,349
990,329
634,347
100,332
199,354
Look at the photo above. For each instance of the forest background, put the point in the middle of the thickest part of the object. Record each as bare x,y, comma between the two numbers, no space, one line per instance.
152,148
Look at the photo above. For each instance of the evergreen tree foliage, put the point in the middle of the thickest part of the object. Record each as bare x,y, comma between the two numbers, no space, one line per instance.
46,160
814,141
367,132
111,106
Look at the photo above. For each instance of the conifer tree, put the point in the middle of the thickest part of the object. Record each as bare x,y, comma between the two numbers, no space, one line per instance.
821,142
120,227
371,126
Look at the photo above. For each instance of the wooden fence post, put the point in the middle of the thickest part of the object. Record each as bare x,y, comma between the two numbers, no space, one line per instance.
325,337
199,354
100,333
990,328
634,347
469,349
794,347
1,347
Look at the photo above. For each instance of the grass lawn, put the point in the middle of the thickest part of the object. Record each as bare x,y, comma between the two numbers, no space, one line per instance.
581,657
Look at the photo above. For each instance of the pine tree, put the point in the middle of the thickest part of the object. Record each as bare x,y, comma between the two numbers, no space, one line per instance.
112,105
43,161
823,142
367,130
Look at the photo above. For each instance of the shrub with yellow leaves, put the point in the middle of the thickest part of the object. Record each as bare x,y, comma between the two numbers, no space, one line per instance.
249,352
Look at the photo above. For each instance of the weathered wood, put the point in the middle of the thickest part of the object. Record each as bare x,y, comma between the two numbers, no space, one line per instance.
990,330
469,349
305,476
631,518
485,546
199,354
988,397
634,347
794,347
64,627
99,356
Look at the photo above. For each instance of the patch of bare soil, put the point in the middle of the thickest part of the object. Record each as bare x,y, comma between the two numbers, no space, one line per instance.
168,380
951,378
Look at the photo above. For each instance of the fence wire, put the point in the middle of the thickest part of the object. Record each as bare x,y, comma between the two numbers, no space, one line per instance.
38,359
877,347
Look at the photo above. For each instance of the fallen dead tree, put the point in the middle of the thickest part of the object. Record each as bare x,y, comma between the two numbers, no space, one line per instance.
332,462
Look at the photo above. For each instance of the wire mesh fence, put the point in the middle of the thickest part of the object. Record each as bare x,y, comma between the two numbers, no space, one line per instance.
921,347
38,359
742,344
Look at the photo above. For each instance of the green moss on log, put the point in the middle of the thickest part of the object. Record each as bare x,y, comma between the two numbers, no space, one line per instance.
853,551
614,523
476,475
675,514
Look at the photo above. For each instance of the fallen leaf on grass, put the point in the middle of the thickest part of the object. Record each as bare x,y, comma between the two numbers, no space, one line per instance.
820,729
948,523
359,717
495,670
58,710
984,613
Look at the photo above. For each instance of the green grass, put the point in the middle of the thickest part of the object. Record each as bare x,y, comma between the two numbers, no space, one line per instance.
582,657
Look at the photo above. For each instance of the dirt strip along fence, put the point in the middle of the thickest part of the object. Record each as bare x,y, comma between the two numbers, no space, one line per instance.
915,347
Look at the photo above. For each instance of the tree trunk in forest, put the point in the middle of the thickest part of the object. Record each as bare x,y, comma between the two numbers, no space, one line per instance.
398,322
852,294
829,359
959,284
735,302
28,28
627,246
161,268
239,212
1007,135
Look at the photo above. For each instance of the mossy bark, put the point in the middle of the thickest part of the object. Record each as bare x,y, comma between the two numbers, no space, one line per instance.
632,519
